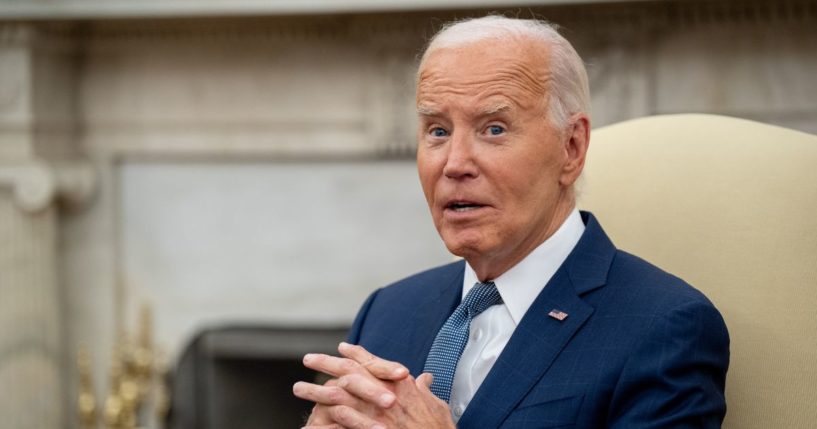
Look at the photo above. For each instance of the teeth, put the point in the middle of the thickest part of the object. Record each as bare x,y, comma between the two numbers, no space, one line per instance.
462,207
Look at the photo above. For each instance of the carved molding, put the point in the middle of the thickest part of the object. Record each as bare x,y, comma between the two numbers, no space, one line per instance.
294,10
37,184
610,17
14,33
33,185
52,36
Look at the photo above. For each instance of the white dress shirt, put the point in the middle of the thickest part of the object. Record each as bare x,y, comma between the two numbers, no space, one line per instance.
519,287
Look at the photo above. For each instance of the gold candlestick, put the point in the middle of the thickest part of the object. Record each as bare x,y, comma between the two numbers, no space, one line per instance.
86,400
143,353
137,392
114,407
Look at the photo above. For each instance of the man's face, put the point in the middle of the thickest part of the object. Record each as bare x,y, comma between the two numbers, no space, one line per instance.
491,164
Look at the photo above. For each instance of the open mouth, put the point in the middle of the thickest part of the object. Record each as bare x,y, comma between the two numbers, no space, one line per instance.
463,206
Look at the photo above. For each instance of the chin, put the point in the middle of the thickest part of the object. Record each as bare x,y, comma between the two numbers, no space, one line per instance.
463,245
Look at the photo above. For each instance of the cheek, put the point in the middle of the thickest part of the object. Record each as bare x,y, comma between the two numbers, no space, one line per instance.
427,174
528,188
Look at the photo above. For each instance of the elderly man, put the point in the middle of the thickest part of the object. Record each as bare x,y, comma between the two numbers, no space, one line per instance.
545,323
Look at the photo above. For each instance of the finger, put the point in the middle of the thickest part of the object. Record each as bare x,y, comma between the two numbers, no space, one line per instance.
319,416
352,419
424,381
327,395
332,365
367,389
380,368
423,384
332,426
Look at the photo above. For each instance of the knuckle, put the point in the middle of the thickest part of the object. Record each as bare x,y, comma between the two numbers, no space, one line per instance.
318,415
335,394
347,365
349,380
343,381
371,391
340,413
371,361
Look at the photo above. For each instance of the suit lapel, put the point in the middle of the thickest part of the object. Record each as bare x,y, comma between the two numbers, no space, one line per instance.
539,338
430,317
534,345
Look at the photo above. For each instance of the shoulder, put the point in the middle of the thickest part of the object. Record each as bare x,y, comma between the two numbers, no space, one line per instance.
442,272
635,279
648,302
391,306
632,286
419,285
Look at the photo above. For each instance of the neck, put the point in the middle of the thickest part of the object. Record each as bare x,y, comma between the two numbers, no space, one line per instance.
490,267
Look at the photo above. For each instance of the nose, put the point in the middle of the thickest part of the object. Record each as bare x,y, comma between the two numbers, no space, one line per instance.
460,162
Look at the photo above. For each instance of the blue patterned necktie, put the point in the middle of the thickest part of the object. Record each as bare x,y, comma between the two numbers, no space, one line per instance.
450,341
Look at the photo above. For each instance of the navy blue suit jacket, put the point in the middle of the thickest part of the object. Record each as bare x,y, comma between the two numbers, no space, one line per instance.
639,348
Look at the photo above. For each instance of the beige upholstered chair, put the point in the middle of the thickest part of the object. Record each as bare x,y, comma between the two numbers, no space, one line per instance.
729,205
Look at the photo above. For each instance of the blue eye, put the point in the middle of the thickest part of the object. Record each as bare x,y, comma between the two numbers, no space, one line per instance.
439,132
495,130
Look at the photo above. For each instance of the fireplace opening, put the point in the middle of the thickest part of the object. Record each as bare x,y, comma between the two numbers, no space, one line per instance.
241,377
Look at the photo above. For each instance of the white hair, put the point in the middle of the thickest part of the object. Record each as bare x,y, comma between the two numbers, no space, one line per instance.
569,92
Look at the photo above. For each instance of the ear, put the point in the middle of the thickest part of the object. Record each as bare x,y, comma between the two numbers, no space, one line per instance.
577,140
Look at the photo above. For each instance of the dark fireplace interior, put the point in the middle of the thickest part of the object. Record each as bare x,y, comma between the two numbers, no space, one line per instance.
241,377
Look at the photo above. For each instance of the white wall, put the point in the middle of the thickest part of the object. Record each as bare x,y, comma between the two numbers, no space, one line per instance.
280,243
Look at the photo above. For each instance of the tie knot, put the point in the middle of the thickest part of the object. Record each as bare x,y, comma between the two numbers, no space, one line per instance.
480,297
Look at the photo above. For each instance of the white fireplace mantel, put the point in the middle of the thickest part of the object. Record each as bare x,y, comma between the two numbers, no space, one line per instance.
104,9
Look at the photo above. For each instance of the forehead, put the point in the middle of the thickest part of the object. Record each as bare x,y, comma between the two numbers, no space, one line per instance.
515,69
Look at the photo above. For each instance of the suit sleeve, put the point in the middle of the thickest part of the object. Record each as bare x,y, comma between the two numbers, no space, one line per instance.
357,327
675,378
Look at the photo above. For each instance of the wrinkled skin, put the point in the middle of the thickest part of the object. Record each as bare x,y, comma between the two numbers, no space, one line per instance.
485,139
369,392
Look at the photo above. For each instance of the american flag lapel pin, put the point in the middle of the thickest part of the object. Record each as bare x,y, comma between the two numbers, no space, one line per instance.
558,314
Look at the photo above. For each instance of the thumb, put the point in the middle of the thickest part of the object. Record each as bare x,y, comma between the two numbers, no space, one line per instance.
424,381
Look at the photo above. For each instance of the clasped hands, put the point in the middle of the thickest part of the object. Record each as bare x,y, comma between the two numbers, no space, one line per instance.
368,392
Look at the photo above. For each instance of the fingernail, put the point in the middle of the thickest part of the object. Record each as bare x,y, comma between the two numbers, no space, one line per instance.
400,372
343,345
386,399
308,357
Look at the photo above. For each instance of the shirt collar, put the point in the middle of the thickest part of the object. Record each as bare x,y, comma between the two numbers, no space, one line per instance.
520,285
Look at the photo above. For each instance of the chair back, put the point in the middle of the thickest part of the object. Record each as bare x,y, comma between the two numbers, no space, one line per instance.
730,206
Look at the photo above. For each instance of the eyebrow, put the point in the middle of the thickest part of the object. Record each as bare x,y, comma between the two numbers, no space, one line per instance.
425,110
494,109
